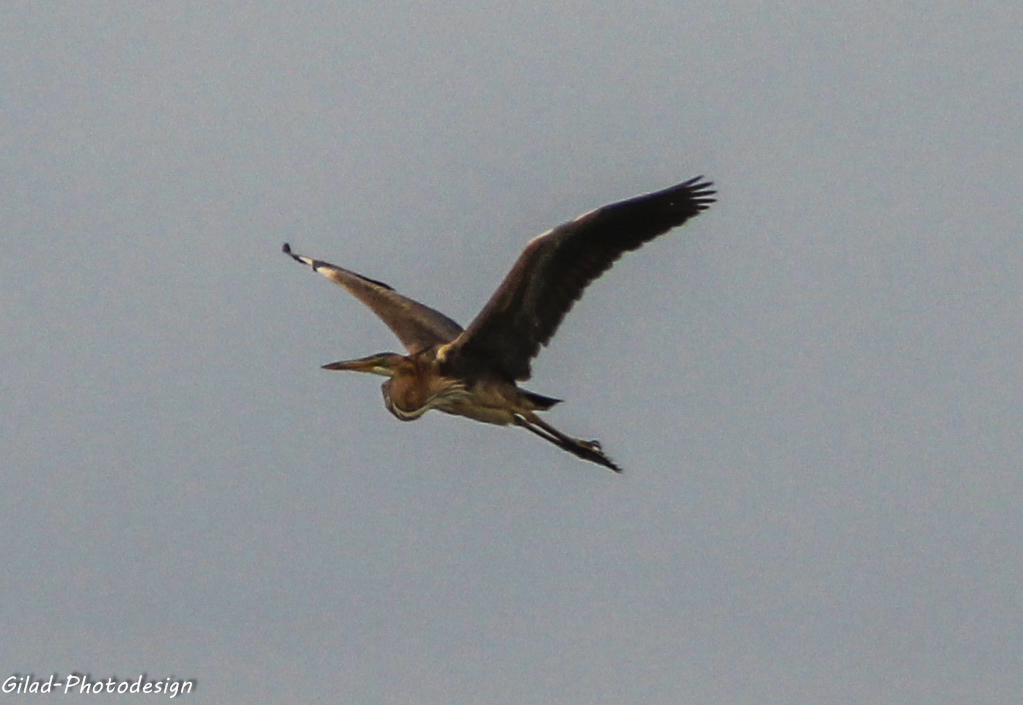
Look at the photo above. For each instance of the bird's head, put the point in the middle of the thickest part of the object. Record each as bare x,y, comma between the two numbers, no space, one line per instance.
385,364
414,385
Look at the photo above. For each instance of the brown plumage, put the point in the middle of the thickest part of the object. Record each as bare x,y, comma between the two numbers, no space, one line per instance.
472,372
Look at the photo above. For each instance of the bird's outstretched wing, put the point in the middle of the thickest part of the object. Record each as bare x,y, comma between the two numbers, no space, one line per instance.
554,269
417,326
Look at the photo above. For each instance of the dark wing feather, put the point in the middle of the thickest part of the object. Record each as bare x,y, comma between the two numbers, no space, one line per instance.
554,269
417,326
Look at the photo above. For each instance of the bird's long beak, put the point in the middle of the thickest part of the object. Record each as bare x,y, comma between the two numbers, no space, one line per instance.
380,364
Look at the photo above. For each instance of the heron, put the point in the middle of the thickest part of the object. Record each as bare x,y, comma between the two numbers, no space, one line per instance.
473,372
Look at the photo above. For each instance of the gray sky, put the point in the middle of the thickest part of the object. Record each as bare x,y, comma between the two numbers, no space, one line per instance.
814,388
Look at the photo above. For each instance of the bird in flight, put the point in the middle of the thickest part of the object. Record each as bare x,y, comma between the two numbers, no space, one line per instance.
472,372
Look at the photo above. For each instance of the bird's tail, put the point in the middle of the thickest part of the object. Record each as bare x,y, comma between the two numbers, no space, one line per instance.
541,402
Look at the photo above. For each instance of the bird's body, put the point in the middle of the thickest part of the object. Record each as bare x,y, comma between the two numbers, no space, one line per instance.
473,372
421,382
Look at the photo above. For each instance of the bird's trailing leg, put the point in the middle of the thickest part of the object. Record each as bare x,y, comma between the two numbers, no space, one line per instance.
587,450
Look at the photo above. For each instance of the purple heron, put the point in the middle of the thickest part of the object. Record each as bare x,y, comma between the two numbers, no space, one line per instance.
473,372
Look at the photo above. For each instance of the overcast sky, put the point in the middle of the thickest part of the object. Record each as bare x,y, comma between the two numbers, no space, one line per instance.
815,388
